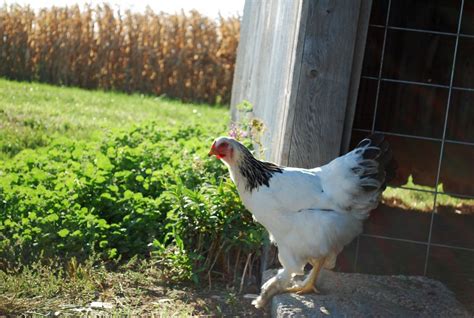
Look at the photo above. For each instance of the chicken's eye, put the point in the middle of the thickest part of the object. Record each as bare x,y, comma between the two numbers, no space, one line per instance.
223,146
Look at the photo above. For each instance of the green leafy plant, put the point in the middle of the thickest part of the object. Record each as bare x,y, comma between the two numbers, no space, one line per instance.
144,191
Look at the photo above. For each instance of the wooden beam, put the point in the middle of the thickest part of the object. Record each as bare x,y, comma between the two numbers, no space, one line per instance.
299,64
265,65
320,109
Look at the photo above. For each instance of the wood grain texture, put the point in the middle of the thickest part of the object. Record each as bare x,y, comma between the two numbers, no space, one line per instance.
299,64
265,66
324,83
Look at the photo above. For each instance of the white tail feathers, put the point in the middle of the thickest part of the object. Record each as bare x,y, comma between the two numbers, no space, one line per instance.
356,180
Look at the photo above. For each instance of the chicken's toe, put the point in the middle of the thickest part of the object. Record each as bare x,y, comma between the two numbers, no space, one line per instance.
301,290
308,290
259,302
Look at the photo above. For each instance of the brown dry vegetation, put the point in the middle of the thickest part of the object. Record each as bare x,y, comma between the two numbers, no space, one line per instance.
134,289
190,57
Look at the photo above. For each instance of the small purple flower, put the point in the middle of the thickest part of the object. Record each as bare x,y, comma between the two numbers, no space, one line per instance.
236,132
233,132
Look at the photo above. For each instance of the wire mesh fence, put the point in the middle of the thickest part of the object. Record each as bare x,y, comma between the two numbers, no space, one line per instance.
417,88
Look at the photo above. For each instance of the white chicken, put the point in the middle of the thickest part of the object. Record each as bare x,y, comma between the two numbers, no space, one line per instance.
310,214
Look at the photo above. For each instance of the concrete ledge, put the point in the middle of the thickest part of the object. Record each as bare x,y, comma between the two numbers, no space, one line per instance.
361,295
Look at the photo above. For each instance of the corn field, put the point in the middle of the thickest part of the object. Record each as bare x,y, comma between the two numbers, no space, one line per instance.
186,56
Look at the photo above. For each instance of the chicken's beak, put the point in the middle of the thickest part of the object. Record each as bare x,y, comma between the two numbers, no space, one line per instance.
213,150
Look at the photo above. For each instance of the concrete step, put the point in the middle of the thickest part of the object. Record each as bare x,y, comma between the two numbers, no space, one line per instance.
362,295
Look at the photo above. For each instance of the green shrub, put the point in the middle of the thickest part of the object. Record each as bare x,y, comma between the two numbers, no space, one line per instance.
144,191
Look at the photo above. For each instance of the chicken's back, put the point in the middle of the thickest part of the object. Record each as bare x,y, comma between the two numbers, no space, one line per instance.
288,192
350,184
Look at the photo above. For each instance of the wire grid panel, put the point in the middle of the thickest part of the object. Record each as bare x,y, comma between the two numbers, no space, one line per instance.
443,139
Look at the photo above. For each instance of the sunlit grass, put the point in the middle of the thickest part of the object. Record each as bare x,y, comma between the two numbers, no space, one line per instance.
32,114
423,200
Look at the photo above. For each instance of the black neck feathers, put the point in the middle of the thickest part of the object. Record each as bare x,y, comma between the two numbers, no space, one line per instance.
256,172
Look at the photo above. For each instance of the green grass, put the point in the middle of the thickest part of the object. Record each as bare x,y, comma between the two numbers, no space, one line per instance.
32,114
423,201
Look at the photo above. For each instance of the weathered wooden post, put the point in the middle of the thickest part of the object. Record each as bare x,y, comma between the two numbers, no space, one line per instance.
299,64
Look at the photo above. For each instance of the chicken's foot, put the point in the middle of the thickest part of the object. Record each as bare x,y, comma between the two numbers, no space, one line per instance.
308,284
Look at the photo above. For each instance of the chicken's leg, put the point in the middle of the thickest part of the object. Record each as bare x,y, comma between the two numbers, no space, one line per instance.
272,287
308,284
